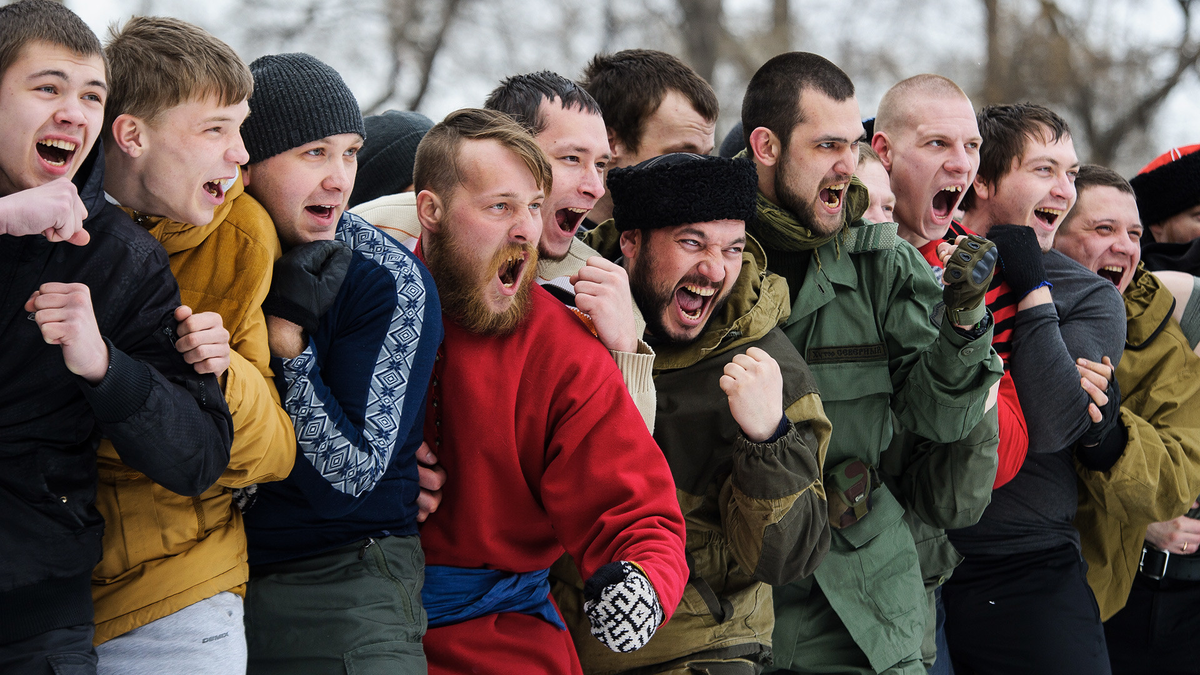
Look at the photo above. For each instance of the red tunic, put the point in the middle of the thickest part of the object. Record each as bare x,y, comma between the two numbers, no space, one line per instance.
1014,437
544,451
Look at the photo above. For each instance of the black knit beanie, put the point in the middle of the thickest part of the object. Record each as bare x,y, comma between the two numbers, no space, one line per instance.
682,188
297,99
385,163
1169,185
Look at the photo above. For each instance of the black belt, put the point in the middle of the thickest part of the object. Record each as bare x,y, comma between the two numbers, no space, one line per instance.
1158,564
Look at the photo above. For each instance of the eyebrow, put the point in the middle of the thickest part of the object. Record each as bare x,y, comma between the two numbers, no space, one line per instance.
834,138
50,72
583,151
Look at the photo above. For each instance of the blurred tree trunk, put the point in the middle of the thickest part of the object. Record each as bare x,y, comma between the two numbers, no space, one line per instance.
701,32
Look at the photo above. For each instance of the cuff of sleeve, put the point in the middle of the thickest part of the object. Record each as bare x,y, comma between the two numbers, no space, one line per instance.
1044,284
760,471
124,389
637,368
300,365
1102,456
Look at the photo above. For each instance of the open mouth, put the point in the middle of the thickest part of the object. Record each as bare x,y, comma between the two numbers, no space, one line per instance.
322,211
569,218
832,196
510,270
945,201
218,188
56,152
692,300
1047,217
1113,273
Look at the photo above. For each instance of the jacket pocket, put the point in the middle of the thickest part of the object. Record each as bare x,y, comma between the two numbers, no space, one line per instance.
884,554
857,399
385,658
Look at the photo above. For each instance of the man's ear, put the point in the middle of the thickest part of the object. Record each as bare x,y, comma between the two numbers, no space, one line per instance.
128,134
882,145
430,211
1157,230
617,148
631,244
983,189
765,146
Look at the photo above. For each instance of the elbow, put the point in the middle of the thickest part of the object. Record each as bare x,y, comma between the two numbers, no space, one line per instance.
796,545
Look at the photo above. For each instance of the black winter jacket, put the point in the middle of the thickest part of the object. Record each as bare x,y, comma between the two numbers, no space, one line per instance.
164,419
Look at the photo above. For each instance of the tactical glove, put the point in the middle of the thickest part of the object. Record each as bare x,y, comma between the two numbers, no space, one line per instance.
622,607
1020,257
306,282
967,276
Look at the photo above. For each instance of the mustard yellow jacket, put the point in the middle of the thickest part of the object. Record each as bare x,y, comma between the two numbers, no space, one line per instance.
164,552
1158,476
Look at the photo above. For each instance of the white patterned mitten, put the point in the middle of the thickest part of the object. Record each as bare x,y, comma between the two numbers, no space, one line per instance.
622,607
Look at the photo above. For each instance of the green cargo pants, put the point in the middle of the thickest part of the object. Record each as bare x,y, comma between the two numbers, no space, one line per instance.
354,610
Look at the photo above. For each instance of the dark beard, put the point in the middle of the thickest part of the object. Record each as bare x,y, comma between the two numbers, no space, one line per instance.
804,212
654,300
460,286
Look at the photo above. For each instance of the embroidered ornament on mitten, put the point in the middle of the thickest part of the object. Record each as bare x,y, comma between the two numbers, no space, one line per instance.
622,607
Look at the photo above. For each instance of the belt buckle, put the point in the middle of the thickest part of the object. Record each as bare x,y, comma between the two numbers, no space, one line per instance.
1153,570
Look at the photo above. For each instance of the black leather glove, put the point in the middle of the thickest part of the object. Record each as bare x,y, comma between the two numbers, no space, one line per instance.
306,282
1020,257
622,607
966,279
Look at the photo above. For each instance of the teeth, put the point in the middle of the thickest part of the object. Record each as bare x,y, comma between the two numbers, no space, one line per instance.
573,209
1113,268
952,188
1054,212
62,145
701,291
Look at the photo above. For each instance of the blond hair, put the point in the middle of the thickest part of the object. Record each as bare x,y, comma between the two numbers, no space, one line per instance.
898,103
436,167
157,63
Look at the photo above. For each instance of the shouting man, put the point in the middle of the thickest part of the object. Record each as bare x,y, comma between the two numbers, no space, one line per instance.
530,417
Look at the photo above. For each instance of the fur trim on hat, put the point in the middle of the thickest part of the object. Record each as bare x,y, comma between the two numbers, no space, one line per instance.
682,188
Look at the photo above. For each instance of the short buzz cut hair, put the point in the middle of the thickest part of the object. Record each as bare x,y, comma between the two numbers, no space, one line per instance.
521,96
630,85
1094,175
1006,131
867,154
159,62
896,105
436,168
772,98
43,21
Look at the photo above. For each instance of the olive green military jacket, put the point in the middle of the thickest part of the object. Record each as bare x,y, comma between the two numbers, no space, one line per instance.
1158,476
756,512
866,321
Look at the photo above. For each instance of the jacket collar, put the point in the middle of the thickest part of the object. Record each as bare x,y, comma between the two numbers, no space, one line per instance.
89,181
176,236
1148,309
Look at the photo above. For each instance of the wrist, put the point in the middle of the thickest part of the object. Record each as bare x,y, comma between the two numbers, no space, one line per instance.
95,371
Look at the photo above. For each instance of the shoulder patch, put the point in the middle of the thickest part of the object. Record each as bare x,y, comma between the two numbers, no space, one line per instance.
846,354
865,236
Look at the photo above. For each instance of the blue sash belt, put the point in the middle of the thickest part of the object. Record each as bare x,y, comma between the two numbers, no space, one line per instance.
456,594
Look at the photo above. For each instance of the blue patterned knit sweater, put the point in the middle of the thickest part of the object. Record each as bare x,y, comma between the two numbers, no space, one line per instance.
356,396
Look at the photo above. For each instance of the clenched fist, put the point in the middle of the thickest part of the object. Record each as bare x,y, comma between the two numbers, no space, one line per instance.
64,314
53,209
203,340
602,292
754,385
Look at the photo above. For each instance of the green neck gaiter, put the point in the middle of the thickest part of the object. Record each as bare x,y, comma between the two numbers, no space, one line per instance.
777,229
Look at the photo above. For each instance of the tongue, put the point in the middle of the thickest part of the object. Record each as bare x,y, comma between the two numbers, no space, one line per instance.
688,301
941,204
52,154
827,196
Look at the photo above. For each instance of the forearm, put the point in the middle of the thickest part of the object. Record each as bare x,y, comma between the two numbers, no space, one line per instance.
637,370
177,433
944,395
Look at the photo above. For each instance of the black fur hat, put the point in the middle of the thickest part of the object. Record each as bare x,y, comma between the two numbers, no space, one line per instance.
683,188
